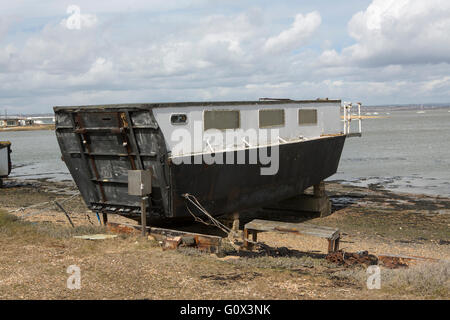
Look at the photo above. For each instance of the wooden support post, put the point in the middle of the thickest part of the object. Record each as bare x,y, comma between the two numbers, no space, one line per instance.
333,245
247,232
105,218
144,216
254,235
319,190
236,222
336,244
140,184
330,245
245,236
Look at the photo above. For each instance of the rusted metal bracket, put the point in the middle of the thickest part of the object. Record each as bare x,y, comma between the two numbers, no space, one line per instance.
123,124
393,261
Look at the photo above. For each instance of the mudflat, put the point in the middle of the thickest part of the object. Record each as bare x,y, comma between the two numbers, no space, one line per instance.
38,247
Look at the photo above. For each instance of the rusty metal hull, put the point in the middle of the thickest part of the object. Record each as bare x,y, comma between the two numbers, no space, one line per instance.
228,188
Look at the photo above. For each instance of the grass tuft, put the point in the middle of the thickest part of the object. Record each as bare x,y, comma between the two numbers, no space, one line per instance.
11,225
279,263
427,280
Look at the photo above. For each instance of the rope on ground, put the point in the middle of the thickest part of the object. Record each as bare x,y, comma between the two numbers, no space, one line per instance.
231,233
192,199
43,203
28,207
50,205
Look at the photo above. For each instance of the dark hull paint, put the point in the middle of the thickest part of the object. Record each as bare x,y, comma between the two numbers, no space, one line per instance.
228,188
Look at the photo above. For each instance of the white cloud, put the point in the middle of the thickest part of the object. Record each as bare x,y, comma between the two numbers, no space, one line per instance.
442,83
79,21
40,8
400,32
300,31
399,52
5,24
210,56
330,58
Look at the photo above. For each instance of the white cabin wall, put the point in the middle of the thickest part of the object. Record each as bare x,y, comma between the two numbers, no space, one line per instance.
328,122
331,119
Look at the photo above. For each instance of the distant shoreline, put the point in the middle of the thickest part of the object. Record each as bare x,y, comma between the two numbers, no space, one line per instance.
29,128
366,117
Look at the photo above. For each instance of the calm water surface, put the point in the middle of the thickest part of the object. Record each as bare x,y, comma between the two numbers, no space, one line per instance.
407,151
36,154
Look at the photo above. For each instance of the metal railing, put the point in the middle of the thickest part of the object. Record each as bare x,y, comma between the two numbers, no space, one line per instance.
349,117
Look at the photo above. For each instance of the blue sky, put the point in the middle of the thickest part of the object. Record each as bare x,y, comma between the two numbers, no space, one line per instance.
374,51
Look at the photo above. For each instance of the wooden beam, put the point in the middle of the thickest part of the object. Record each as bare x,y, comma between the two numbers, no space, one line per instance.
299,228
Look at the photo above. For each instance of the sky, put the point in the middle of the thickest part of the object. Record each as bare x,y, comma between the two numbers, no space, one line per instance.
82,52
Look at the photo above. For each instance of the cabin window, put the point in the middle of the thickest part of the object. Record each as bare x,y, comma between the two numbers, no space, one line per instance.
307,117
271,118
178,119
221,119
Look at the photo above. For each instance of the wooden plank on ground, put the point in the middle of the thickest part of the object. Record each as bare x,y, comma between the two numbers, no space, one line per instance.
200,239
298,228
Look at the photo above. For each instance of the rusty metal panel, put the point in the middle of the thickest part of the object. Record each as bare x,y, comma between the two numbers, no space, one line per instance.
99,146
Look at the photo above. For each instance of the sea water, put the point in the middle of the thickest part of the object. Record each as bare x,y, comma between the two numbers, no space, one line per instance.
403,150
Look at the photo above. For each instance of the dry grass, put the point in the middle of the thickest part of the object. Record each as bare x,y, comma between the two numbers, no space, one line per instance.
37,252
430,281
280,263
35,257
424,281
12,226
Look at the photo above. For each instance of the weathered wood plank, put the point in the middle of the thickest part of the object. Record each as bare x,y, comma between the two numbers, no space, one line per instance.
267,223
298,228
129,228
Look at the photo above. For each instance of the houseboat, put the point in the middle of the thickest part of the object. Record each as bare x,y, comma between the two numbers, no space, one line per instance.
229,156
